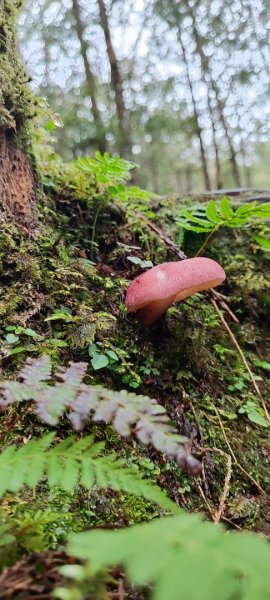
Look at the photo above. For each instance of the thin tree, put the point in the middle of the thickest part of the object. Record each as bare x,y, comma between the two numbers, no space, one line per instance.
218,175
198,128
212,84
169,13
89,76
116,82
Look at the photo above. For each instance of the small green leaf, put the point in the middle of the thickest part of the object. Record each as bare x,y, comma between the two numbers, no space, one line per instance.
60,316
11,338
211,212
92,349
262,364
113,190
17,350
226,209
194,219
263,242
5,537
195,228
112,355
144,264
255,417
32,333
99,361
57,343
50,126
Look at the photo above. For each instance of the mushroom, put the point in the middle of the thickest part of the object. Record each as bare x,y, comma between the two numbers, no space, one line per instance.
153,292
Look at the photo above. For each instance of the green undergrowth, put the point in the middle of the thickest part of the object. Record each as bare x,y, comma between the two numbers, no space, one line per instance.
63,293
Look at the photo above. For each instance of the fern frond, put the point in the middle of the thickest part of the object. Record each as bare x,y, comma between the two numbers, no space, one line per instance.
71,463
32,378
42,372
106,168
183,557
204,219
24,465
128,412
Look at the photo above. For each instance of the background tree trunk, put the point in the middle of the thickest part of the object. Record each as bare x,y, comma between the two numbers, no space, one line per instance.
211,83
198,128
89,76
17,108
116,84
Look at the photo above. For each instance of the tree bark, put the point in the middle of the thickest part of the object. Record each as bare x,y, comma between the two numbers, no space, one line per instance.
89,76
116,83
17,108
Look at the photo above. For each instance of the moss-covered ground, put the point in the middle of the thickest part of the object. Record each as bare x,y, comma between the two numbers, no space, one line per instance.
63,289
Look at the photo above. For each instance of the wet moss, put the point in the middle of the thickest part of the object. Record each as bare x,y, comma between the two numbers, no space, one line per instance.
17,104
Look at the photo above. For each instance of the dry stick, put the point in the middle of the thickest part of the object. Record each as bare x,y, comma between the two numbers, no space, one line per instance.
232,523
121,590
205,500
235,459
235,342
162,236
186,397
226,489
219,512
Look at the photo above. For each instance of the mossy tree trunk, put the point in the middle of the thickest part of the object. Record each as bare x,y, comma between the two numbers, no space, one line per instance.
17,109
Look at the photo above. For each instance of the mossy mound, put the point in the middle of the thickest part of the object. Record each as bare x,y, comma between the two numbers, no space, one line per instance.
63,290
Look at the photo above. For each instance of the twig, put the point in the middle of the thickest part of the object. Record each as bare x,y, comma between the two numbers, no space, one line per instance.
221,299
235,342
121,590
219,512
187,397
232,523
162,236
227,308
205,500
235,459
226,489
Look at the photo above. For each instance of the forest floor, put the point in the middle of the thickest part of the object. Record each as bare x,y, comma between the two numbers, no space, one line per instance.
63,290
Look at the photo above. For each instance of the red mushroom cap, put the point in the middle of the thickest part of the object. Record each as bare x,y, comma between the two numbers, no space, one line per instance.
153,292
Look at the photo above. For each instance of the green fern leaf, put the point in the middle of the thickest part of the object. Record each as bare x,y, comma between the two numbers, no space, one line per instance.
263,242
23,465
127,412
36,371
191,217
226,209
211,212
183,557
201,219
71,463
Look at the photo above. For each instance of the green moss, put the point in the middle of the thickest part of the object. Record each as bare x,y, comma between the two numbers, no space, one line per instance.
17,104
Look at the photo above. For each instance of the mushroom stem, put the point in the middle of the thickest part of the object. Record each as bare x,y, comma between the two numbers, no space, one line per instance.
153,311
